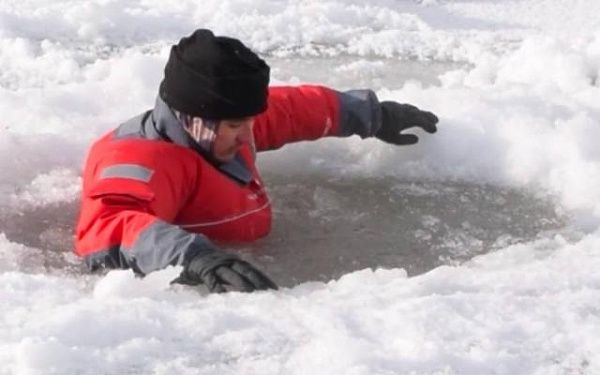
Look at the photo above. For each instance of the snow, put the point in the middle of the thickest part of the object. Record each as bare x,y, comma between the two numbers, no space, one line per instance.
519,104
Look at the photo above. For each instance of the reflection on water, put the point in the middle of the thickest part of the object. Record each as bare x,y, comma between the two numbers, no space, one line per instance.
325,227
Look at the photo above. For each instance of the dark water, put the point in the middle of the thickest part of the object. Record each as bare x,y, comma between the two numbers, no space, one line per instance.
47,233
325,227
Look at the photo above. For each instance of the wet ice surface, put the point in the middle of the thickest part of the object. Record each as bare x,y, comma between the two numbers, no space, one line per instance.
325,227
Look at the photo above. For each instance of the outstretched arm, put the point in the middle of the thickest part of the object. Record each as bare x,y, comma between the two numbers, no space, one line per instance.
310,112
296,114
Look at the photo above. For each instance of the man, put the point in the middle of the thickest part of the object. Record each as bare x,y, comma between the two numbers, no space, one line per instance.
164,186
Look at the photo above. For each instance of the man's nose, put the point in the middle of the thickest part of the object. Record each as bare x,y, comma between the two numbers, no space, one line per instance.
245,135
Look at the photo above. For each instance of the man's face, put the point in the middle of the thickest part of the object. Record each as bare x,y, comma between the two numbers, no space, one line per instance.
231,135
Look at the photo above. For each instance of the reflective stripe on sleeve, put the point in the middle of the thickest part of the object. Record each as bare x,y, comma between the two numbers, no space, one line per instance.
130,171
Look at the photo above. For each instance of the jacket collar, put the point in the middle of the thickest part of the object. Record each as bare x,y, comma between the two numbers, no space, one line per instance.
162,124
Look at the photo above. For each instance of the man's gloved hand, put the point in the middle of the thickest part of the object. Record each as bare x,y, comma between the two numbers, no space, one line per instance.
221,272
396,117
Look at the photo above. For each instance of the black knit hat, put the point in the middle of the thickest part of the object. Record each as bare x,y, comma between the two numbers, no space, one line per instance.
215,77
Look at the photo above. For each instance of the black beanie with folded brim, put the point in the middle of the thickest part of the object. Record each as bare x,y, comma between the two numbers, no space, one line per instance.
215,77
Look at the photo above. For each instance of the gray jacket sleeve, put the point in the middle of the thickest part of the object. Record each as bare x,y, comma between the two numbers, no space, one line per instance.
163,244
360,113
159,245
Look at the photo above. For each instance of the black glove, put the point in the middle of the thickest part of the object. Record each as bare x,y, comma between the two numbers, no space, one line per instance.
221,272
396,117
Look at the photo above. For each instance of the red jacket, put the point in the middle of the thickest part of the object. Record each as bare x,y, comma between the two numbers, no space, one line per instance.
150,198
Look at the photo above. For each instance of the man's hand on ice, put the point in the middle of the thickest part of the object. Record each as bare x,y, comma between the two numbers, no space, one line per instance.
221,272
396,117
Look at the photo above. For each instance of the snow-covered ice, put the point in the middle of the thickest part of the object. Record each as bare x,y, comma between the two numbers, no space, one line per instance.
505,197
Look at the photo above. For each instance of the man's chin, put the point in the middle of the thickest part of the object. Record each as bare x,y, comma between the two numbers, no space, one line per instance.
224,158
